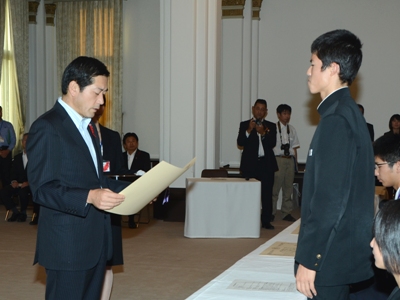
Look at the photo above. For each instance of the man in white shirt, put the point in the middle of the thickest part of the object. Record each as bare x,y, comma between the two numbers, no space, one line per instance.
285,152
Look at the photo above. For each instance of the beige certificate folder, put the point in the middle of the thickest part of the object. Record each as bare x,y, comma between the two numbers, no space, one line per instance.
140,192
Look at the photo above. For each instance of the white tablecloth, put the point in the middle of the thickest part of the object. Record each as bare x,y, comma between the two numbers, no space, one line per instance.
222,208
256,271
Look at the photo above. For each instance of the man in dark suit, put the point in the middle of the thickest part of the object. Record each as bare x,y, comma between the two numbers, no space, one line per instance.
337,206
19,186
66,179
369,125
134,160
257,138
111,150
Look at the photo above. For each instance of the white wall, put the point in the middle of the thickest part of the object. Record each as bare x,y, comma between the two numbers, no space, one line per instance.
141,73
286,31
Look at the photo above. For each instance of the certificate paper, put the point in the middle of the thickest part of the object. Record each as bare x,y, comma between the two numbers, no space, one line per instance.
140,192
281,249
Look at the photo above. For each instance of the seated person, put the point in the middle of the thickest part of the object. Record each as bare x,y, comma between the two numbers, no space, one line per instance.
386,242
394,125
136,161
19,186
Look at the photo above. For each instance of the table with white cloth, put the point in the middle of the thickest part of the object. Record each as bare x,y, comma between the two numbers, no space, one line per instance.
257,276
222,208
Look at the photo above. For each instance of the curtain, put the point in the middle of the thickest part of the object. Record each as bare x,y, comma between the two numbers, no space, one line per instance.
93,28
10,92
2,25
20,25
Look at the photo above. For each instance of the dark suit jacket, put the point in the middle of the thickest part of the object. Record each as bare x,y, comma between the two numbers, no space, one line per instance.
337,206
141,161
250,146
18,172
112,149
71,233
371,131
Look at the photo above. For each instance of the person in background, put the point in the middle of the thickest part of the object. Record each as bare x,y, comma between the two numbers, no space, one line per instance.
369,125
285,151
257,138
19,186
394,125
135,160
7,144
74,238
111,150
338,191
386,242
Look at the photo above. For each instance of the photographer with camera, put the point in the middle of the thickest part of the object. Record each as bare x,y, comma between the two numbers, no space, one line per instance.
257,138
285,151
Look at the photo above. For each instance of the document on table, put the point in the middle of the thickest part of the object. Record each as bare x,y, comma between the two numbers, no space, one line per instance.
281,249
140,192
263,286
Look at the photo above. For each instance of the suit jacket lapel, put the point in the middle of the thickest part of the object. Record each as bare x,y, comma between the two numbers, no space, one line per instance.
70,128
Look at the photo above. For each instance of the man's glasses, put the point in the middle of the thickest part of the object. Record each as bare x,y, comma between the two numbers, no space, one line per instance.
378,165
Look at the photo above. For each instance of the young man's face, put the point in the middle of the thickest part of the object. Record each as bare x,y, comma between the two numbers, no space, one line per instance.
377,254
284,117
318,79
388,176
259,111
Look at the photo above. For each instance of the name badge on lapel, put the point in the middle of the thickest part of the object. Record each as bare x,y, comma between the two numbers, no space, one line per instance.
106,166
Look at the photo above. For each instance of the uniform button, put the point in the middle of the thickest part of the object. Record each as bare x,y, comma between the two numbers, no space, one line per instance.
316,264
319,256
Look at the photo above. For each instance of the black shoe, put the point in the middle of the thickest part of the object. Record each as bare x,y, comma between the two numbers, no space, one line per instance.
289,218
21,218
272,218
268,226
14,217
34,221
132,225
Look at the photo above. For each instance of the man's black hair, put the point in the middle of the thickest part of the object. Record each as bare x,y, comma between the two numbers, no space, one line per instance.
387,148
130,134
261,101
283,107
82,70
386,232
341,47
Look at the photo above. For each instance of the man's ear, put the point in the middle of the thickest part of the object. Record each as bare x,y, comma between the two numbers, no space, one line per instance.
335,68
73,88
396,167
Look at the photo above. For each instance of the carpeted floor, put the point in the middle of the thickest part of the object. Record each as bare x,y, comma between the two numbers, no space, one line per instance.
160,263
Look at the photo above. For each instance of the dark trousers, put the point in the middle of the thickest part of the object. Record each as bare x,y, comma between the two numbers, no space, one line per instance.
340,292
81,284
5,169
267,182
23,193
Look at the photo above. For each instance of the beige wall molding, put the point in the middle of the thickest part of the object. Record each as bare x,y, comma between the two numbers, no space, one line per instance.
33,9
232,9
50,13
256,9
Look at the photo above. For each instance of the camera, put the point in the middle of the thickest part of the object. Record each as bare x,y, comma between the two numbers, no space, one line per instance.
285,148
258,122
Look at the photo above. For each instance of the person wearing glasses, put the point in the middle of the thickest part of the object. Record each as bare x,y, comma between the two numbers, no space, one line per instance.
387,161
